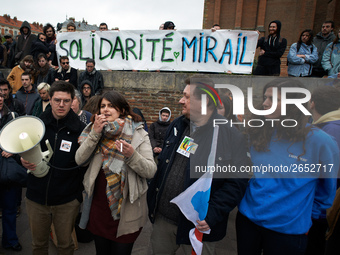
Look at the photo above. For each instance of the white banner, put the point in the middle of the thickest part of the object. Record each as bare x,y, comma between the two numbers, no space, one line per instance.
182,50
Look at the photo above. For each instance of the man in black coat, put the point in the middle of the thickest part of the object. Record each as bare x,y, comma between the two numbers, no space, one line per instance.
24,43
56,197
92,75
176,172
66,72
271,50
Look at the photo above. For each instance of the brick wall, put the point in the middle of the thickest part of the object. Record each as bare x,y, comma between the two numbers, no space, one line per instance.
150,102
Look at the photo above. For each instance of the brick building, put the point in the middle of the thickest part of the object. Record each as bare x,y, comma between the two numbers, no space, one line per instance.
12,26
295,15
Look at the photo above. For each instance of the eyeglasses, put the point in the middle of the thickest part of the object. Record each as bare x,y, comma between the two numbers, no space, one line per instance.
58,101
65,63
86,88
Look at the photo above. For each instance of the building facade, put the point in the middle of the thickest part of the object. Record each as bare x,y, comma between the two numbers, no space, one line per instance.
12,26
295,15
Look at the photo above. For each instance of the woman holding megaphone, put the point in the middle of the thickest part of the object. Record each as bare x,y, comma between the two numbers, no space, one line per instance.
115,183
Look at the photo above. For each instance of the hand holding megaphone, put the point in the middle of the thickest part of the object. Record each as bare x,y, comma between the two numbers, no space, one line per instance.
23,136
28,165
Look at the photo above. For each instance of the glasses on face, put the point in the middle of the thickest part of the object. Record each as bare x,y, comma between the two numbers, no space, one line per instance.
65,63
58,101
86,88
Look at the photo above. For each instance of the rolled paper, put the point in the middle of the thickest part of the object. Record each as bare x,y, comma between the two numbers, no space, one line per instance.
25,141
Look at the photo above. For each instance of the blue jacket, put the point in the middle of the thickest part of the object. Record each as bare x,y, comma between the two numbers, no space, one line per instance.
301,66
287,203
331,59
225,193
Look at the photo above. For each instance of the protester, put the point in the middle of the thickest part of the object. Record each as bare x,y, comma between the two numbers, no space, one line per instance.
325,108
331,57
8,191
40,46
276,212
66,72
24,42
10,46
86,91
14,77
71,27
170,227
158,130
271,50
12,103
51,41
76,106
43,102
3,54
92,75
302,55
321,40
115,207
44,72
55,198
27,94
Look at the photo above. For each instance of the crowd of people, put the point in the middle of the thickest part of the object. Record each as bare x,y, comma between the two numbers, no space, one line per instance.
112,174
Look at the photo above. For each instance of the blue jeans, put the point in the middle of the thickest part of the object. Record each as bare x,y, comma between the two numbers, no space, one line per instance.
253,239
8,200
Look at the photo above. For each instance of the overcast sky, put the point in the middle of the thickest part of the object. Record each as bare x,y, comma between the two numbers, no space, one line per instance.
125,14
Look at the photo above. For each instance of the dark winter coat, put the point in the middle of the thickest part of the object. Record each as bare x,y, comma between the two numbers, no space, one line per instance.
30,38
95,77
225,193
58,186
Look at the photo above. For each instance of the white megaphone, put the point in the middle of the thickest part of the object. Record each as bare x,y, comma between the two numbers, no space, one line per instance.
22,136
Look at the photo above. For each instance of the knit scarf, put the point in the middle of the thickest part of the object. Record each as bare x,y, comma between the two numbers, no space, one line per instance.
113,160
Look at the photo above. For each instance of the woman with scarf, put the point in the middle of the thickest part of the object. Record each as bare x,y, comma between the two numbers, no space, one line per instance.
115,208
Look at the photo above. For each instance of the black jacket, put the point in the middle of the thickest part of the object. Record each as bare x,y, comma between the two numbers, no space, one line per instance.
274,47
39,47
58,186
15,105
30,38
157,133
70,74
225,194
95,77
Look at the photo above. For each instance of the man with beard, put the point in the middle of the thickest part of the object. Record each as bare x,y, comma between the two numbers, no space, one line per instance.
25,40
14,77
271,50
321,40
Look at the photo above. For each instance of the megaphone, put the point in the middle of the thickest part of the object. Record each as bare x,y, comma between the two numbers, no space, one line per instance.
22,136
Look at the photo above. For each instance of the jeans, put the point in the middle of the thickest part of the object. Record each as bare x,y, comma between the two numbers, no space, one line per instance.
63,218
253,239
